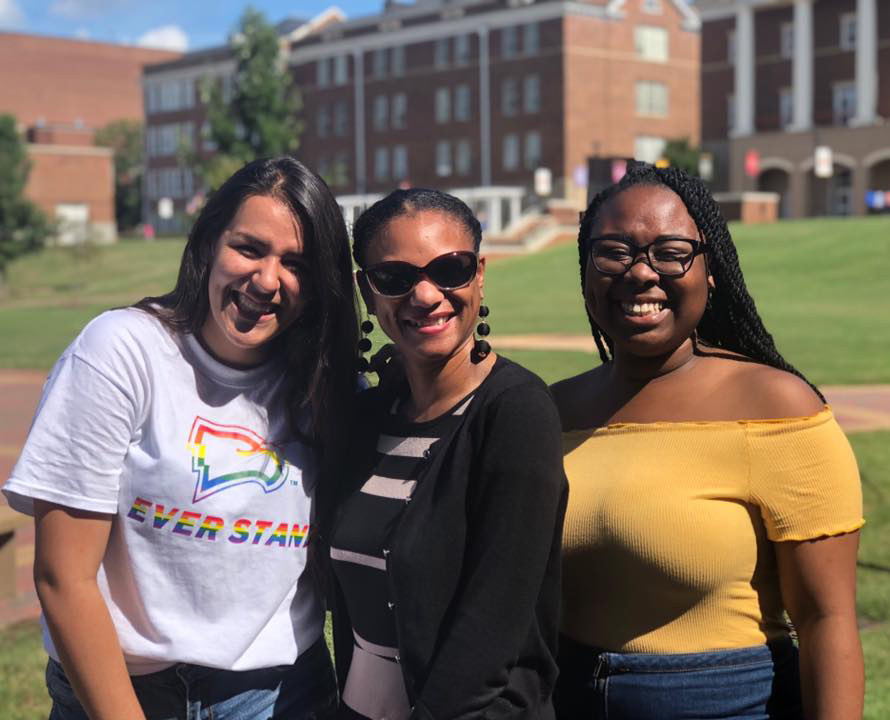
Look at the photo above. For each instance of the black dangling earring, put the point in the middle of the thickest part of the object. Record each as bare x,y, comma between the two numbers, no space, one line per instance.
363,346
481,347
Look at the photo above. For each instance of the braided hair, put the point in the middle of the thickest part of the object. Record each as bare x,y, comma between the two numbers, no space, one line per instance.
730,320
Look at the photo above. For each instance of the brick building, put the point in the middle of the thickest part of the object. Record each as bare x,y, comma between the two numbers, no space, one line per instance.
61,91
468,95
783,77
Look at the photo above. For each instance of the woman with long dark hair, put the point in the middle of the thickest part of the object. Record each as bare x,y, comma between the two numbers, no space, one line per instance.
711,489
445,538
172,465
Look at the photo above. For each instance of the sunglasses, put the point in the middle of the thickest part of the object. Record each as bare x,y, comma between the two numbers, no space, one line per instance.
447,272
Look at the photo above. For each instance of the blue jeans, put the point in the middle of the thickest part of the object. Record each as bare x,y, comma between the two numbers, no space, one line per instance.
755,683
305,690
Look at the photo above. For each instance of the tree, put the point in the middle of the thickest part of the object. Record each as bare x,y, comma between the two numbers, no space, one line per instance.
680,154
23,227
125,138
260,119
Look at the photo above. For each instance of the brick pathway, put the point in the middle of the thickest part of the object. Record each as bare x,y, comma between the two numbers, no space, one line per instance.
857,408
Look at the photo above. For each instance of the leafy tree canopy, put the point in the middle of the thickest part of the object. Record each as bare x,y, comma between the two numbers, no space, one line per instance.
260,119
23,227
125,138
679,153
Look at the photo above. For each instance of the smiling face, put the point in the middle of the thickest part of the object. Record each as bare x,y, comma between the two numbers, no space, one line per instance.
645,314
256,286
427,324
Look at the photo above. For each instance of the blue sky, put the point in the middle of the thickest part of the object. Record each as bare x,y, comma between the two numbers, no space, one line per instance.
176,24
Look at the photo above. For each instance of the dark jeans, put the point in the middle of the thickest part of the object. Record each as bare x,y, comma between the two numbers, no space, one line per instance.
755,683
305,690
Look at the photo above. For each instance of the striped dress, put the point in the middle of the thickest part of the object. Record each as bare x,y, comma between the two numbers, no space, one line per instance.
375,687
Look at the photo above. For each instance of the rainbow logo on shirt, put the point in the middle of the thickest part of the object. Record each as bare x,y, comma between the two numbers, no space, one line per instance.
224,456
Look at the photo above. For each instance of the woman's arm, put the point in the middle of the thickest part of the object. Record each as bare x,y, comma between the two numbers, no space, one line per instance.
513,541
70,545
818,581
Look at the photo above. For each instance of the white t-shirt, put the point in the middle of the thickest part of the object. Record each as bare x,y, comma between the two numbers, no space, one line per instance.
195,460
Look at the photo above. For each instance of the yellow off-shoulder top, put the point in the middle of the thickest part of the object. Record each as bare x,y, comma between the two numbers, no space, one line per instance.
667,546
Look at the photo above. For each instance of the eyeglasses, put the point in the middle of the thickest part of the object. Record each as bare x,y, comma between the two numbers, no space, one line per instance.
669,257
447,272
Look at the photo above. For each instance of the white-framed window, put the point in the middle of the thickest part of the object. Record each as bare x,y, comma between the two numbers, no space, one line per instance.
531,38
786,107
730,47
443,105
652,99
786,40
381,112
151,183
531,157
651,43
463,157
440,53
509,97
730,113
378,63
648,148
151,98
381,164
462,103
844,102
847,30
509,42
399,110
397,61
510,151
653,7
323,72
531,94
322,122
399,162
462,50
341,118
207,142
341,70
443,158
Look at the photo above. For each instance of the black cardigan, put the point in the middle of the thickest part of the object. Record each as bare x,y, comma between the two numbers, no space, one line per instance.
474,562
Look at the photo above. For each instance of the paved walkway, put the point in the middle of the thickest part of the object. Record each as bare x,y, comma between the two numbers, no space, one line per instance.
857,408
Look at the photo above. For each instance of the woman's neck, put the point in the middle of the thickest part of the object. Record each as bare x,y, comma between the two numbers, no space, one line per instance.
638,369
437,386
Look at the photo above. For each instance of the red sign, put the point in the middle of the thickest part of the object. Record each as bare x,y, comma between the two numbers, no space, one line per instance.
752,163
619,169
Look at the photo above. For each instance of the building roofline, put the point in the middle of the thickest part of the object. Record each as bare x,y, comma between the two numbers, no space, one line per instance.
87,41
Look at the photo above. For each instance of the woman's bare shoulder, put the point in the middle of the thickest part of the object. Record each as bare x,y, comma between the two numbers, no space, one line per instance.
766,392
574,395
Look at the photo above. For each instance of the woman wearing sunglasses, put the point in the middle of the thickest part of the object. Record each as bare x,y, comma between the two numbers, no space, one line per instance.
444,542
711,488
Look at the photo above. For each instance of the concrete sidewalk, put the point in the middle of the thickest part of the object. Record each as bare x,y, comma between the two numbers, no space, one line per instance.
857,408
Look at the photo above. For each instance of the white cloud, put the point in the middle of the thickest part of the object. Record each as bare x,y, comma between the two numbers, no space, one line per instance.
82,33
166,37
11,15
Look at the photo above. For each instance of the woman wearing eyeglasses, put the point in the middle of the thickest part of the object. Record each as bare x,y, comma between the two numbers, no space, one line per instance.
445,539
711,488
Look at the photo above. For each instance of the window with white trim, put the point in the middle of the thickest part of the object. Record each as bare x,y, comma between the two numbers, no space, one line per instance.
399,162
532,150
652,99
378,64
531,38
648,148
399,110
341,70
397,61
531,94
207,142
509,42
509,97
323,72
443,105
381,112
381,164
510,152
462,50
440,53
462,103
651,43
786,107
463,160
443,158
341,118
844,102
847,30
730,113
